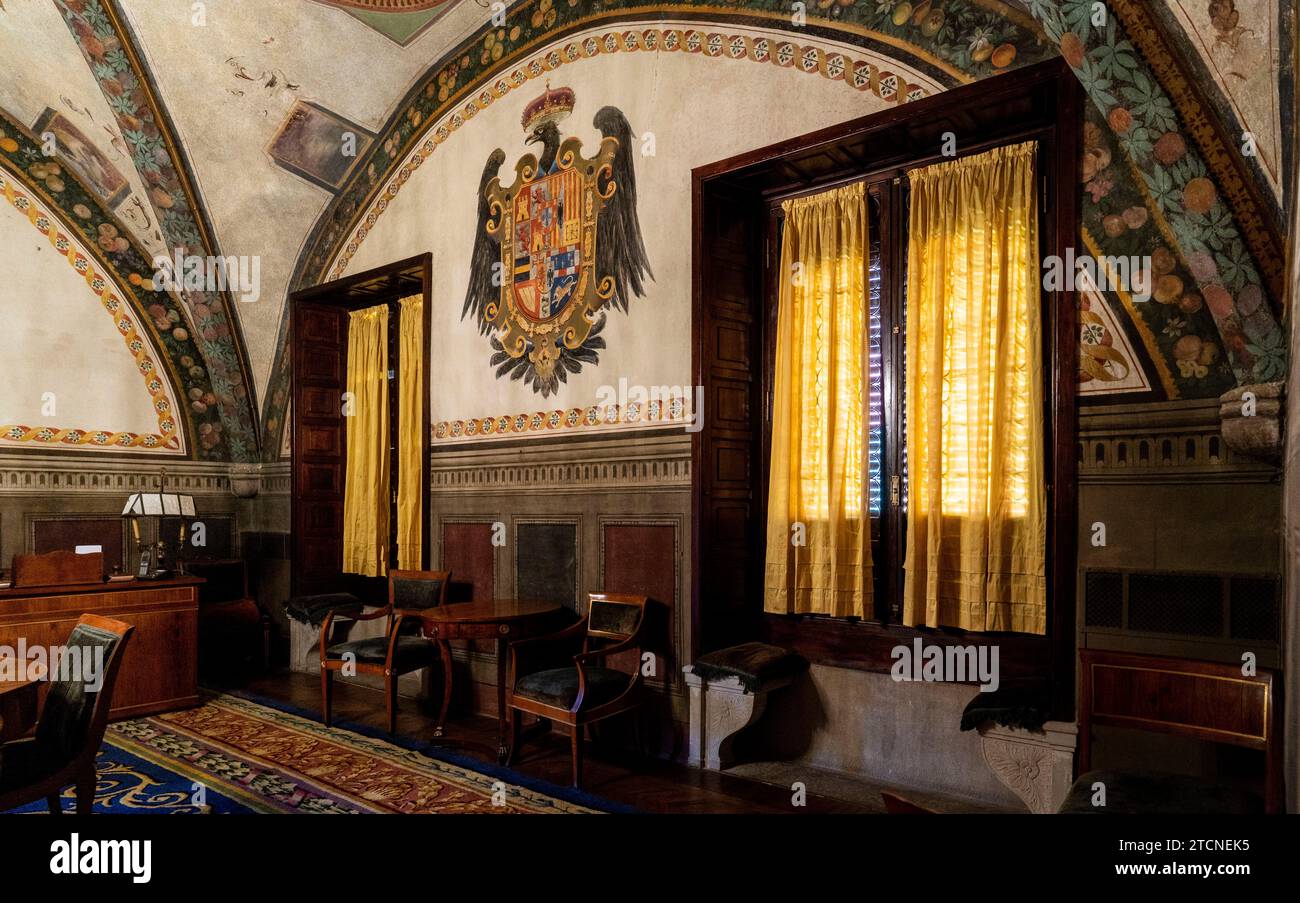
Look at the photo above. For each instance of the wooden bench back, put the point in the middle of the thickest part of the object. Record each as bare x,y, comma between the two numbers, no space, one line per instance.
1210,701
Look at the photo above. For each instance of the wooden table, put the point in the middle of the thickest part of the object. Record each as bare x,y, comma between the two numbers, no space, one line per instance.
501,619
17,708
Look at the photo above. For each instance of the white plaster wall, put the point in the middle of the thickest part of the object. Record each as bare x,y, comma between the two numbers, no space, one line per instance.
699,109
226,123
59,338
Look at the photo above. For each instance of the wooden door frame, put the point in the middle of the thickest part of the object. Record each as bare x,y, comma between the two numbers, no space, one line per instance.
384,284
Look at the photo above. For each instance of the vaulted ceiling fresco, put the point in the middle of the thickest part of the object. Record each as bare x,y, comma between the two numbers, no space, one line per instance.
201,138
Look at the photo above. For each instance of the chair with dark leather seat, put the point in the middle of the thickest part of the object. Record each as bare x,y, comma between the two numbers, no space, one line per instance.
400,650
71,726
579,692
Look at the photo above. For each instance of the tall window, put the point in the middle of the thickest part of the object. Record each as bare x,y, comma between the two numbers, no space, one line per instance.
956,398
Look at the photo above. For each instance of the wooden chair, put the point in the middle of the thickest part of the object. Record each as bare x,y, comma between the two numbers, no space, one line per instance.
579,693
70,729
1208,701
400,650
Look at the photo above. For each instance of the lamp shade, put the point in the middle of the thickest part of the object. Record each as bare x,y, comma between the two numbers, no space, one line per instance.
158,504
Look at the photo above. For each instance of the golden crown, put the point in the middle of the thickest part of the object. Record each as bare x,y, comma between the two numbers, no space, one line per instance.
552,106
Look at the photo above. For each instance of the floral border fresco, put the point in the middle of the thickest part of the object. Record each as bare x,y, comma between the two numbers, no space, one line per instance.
69,247
675,411
98,28
168,325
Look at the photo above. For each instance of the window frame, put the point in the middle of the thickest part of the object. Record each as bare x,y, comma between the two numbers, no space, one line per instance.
1041,102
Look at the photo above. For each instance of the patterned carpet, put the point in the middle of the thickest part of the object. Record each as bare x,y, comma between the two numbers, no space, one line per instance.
232,755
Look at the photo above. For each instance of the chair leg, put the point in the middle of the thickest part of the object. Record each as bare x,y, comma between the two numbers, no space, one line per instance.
444,653
390,684
326,694
516,723
86,792
55,802
577,755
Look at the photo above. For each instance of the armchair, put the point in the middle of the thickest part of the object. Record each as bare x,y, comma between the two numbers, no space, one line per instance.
400,650
579,692
70,728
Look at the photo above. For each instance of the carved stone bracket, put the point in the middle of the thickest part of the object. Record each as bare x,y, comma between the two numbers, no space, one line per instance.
1037,766
245,480
720,710
1252,419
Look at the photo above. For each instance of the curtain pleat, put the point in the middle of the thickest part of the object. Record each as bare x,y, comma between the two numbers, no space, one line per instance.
818,535
365,486
410,413
976,501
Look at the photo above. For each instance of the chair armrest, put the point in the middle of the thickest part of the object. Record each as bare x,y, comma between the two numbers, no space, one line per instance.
581,661
522,650
347,614
395,631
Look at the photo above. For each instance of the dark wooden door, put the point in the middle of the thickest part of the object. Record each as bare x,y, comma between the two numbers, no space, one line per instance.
730,527
318,338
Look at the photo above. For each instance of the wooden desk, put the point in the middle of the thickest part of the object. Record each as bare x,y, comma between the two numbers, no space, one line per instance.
500,619
18,707
160,665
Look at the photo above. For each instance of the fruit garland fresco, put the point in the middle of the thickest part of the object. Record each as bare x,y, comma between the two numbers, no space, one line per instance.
109,51
1146,189
115,251
1204,262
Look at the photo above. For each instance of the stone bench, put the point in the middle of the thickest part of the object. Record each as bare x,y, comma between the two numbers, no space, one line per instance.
1030,755
728,692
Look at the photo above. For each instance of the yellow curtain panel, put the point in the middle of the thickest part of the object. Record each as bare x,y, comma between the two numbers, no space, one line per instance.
365,486
976,500
818,535
410,414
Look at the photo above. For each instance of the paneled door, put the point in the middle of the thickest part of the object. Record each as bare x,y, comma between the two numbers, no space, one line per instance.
319,342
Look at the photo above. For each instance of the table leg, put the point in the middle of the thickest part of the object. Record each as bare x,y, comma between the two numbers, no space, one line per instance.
503,748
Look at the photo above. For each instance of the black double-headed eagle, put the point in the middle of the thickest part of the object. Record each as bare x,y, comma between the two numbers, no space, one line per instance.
555,248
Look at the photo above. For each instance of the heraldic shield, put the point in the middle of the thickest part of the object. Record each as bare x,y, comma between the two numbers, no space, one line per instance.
556,248
546,224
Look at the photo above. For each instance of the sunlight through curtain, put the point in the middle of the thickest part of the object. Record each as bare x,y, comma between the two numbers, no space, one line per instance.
976,506
365,487
818,534
410,420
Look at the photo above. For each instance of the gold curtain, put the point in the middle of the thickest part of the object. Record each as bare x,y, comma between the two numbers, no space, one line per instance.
365,487
410,414
976,500
818,534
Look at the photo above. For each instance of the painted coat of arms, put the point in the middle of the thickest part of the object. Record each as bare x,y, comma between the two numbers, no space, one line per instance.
555,247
